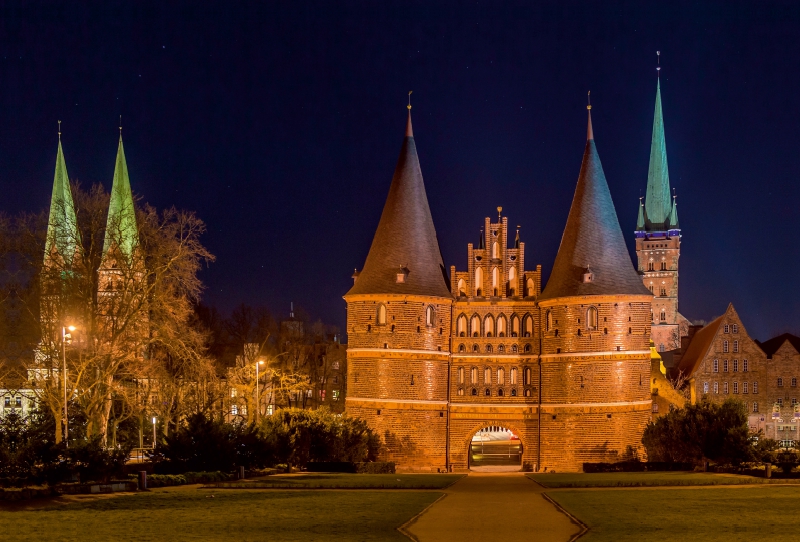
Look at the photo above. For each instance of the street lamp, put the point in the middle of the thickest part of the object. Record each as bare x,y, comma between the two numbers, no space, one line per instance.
64,377
260,362
154,432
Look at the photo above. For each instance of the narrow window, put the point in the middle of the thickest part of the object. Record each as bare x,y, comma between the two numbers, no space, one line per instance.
548,321
462,348
725,346
501,376
527,325
591,318
515,326
655,408
488,326
495,250
461,326
462,288
716,365
716,387
527,393
755,407
725,366
513,376
513,348
501,349
495,278
735,387
430,316
475,326
501,326
705,387
780,382
489,348
473,376
381,317
527,348
735,346
744,365
500,392
529,286
780,401
725,387
736,328
527,376
460,375
727,328
744,387
794,382
755,387
736,366
474,391
514,392
487,376
478,287
487,392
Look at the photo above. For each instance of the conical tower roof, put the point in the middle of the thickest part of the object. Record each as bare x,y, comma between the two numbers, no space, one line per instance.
592,240
405,241
121,229
658,201
62,225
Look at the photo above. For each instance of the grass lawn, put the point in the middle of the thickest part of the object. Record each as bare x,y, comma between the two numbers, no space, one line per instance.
349,481
639,479
709,514
190,514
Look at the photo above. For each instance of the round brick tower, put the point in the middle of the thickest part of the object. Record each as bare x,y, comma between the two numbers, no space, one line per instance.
398,325
595,324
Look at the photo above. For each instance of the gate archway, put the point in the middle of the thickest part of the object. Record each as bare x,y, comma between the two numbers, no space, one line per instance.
495,447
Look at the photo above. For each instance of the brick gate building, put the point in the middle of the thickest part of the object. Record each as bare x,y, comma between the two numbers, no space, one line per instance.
433,359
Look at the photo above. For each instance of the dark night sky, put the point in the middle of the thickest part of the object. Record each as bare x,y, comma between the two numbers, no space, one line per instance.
280,124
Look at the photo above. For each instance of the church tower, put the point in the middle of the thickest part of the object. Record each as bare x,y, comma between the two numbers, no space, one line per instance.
398,323
594,367
658,242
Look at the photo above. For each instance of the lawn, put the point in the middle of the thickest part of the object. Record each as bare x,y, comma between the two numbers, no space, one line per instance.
348,481
719,514
191,514
641,479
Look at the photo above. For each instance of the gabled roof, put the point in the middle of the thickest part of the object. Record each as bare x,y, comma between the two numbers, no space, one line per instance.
658,201
62,225
772,345
406,237
121,229
699,346
592,239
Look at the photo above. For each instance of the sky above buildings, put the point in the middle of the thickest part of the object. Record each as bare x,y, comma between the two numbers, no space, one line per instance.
280,125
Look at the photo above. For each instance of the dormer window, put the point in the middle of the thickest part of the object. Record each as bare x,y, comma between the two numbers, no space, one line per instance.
402,275
588,276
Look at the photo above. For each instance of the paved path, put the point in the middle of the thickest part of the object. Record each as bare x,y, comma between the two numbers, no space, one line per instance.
484,507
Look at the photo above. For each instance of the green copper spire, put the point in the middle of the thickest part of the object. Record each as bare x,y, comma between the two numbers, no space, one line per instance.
640,220
62,225
673,216
657,203
121,227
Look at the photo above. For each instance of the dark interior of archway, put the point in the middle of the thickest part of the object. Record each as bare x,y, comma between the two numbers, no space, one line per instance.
495,446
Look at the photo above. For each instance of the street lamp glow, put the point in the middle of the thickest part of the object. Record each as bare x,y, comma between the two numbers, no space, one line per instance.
64,378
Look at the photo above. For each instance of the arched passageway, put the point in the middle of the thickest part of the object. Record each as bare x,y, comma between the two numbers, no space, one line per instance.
495,446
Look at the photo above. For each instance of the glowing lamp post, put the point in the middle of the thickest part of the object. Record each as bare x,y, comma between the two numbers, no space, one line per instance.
64,337
260,362
154,432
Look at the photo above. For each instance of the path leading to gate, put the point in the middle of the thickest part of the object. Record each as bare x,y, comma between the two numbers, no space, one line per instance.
494,506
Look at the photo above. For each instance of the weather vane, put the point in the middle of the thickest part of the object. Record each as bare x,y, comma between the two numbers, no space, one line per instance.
499,210
59,130
589,100
409,99
120,125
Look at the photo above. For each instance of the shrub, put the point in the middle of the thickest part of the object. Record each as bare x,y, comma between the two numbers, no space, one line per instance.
377,467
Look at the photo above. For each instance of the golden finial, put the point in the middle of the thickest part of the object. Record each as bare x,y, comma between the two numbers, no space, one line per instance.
59,130
589,100
658,68
409,100
120,125
499,210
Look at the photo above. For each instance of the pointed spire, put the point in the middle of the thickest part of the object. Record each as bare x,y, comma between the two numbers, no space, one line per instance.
516,240
640,219
121,229
405,238
673,215
657,203
409,129
592,242
481,241
589,131
62,225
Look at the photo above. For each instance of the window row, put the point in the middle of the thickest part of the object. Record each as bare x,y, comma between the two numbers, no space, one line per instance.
731,328
779,401
793,382
489,349
726,366
726,346
651,266
380,315
726,389
490,326
488,392
487,375
511,284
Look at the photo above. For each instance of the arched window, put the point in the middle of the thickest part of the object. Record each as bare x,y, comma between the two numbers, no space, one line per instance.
474,391
530,288
513,348
487,392
548,321
527,379
500,392
527,393
381,316
478,287
591,318
515,325
724,346
475,326
663,314
488,326
461,326
495,251
487,376
460,375
495,277
527,348
501,326
462,348
501,349
430,316
473,376
489,348
461,391
514,392
513,376
527,326
475,348
512,281
501,376
462,288
735,346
